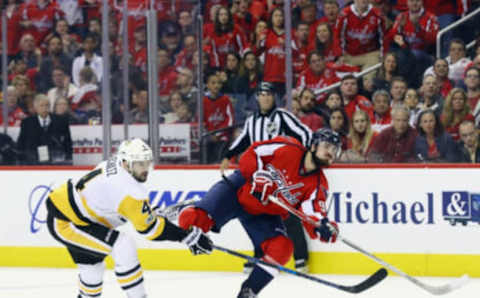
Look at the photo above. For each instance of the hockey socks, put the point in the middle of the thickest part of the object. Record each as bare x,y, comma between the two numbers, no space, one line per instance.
257,280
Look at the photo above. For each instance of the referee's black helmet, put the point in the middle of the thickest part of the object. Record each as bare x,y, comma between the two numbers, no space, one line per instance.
265,87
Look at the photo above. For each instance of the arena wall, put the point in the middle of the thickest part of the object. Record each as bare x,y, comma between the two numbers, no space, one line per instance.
401,214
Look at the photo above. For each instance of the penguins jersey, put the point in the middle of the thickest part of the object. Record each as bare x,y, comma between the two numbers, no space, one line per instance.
109,196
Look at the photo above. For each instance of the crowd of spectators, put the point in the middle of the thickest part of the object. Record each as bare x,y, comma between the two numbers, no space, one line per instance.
414,108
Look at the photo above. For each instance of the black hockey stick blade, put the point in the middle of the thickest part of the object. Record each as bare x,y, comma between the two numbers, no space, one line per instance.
372,280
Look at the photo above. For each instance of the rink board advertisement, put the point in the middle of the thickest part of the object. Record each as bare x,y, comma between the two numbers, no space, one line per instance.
425,221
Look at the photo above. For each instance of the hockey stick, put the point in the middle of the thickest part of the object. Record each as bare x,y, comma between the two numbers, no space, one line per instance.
435,290
355,289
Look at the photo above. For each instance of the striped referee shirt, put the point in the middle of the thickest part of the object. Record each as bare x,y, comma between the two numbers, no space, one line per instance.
262,127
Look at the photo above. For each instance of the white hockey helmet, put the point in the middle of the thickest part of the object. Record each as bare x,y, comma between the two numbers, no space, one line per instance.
134,150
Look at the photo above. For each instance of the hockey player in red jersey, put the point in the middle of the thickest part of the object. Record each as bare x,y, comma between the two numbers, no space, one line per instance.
280,167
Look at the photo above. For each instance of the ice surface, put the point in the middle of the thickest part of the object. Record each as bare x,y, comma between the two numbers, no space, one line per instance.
53,283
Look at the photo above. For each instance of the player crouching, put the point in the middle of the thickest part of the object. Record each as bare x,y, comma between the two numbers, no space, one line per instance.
83,215
281,167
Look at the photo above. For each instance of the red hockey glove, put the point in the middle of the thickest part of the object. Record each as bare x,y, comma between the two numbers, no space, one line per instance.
328,230
262,186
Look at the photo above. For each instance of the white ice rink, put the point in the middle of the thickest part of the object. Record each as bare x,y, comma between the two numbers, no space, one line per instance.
56,283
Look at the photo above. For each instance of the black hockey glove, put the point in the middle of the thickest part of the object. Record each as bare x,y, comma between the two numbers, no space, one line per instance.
328,230
197,242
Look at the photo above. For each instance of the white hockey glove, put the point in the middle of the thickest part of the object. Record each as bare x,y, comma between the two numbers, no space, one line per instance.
198,242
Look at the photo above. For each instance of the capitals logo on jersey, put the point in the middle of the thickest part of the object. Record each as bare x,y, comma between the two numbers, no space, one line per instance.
217,117
283,186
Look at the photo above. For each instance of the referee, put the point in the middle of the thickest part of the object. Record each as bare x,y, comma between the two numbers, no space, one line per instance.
266,124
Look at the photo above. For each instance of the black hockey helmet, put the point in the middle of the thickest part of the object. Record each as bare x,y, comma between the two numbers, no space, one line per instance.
265,87
326,135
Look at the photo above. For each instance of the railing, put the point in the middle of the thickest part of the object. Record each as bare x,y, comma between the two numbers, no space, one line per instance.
452,26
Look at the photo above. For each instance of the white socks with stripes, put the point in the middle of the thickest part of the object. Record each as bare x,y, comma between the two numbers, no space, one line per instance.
127,267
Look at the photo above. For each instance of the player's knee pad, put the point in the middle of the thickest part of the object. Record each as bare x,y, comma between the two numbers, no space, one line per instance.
192,216
279,248
90,279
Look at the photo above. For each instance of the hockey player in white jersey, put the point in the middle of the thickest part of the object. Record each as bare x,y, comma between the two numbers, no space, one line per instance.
83,216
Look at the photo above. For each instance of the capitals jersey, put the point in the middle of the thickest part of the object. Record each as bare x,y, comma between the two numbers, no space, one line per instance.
283,158
109,196
417,38
218,113
360,33
42,18
223,43
274,67
316,82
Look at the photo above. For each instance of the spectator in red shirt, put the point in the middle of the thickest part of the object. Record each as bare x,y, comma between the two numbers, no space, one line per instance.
308,15
273,45
15,114
472,82
395,144
360,30
325,43
218,113
224,36
307,114
167,77
455,111
381,110
331,10
12,13
258,35
353,101
138,48
242,17
360,138
415,30
440,70
300,48
38,17
185,57
316,76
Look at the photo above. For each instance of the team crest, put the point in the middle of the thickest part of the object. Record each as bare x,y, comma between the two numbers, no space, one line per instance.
272,128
